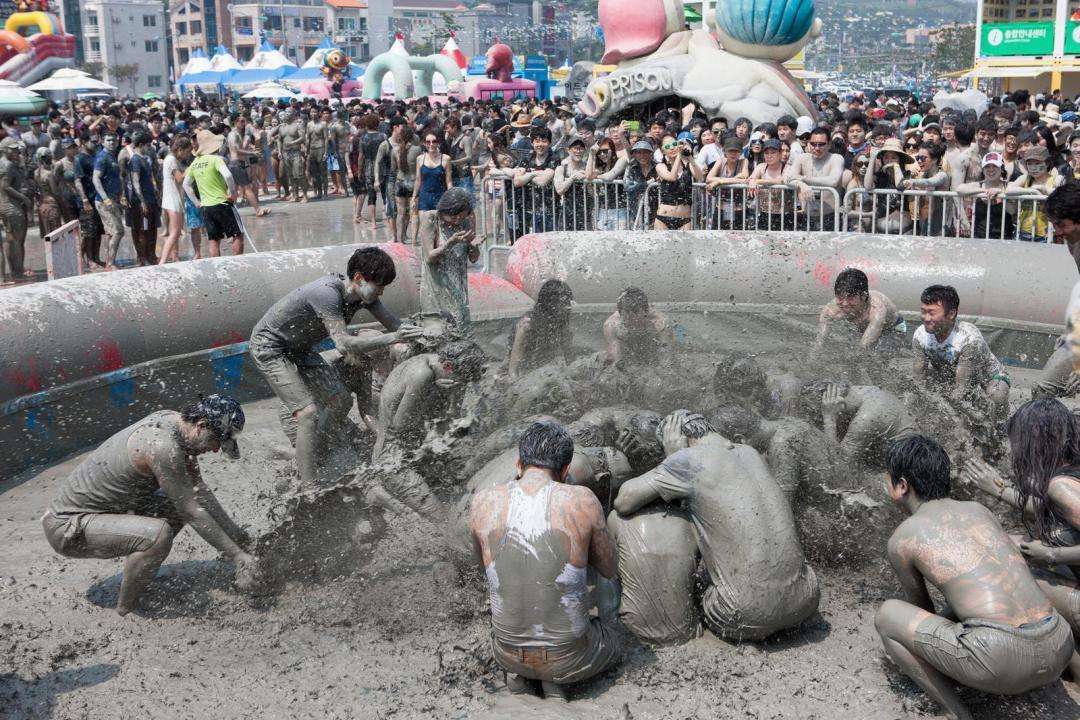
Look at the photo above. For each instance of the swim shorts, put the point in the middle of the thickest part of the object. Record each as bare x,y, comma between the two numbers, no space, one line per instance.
107,535
589,656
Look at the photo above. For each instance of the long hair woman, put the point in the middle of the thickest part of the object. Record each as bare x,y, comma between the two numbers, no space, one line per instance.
1044,442
403,162
544,334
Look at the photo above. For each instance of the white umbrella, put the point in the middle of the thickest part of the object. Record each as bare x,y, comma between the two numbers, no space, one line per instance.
270,91
62,80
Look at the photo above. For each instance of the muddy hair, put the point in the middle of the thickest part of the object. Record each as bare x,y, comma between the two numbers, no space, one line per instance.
1044,440
692,425
740,371
548,323
465,357
735,422
851,281
546,445
586,434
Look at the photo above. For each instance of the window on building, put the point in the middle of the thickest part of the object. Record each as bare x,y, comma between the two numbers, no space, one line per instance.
363,24
182,55
91,20
196,27
181,28
153,81
149,20
1021,13
273,22
296,22
346,23
151,46
95,45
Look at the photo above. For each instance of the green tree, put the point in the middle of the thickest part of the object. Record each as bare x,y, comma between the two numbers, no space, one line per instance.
128,72
95,68
451,24
953,48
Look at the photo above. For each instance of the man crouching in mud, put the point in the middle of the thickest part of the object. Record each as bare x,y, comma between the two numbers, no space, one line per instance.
1009,639
637,334
537,538
133,494
868,311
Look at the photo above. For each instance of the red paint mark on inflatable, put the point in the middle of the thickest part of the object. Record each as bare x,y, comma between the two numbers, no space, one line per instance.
230,337
398,250
110,357
28,379
824,272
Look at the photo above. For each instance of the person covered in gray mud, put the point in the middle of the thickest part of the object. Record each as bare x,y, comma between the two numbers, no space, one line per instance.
1044,442
283,347
537,538
799,455
543,335
636,333
414,392
868,312
628,429
132,495
449,243
740,380
658,559
864,419
745,529
952,356
1000,634
1062,209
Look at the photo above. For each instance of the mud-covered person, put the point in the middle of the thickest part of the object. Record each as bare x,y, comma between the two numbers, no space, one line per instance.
449,243
1002,635
953,357
415,392
636,333
868,312
543,335
133,494
537,538
1062,208
283,346
760,581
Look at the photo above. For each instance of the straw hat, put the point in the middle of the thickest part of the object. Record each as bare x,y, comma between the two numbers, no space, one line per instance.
207,143
893,145
1052,114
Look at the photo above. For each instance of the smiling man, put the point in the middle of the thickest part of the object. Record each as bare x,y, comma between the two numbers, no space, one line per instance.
131,496
869,312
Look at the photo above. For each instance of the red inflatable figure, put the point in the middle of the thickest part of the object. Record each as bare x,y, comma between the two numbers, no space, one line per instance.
500,62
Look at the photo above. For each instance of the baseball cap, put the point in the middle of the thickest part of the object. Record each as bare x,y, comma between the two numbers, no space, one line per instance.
993,158
771,144
642,145
804,126
757,136
732,143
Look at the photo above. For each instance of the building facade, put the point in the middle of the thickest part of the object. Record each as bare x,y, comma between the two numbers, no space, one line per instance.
126,35
192,26
1029,44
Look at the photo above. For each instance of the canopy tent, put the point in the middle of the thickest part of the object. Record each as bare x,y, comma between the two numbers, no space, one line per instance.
255,76
268,58
224,61
312,67
272,91
70,79
17,100
206,78
197,64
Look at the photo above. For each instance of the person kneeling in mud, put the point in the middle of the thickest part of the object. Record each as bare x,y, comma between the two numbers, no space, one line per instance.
745,529
537,538
953,355
543,335
283,346
869,312
1006,638
740,380
139,488
637,334
864,419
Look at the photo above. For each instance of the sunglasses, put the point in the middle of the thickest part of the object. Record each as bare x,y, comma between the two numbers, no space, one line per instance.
922,158
670,146
431,142
818,144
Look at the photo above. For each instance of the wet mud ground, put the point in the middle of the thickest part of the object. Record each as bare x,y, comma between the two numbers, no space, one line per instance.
389,641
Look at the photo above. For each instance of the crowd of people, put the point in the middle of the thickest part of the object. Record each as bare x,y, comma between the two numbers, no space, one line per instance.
121,168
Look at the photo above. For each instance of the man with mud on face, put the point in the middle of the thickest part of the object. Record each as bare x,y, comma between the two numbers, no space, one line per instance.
1004,637
953,355
745,529
868,311
636,334
537,538
133,494
740,380
283,346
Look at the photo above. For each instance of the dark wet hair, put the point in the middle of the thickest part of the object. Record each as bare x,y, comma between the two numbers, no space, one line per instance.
923,463
1044,439
586,434
546,445
740,371
540,133
987,124
851,281
140,138
692,425
946,295
373,264
632,299
735,422
1064,203
466,359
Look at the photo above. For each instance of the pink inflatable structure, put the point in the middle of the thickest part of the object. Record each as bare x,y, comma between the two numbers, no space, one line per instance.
499,84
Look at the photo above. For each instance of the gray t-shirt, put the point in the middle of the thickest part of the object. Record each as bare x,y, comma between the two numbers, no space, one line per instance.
296,323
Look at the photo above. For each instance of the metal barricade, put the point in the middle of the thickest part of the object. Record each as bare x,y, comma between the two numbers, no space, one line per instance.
765,208
947,214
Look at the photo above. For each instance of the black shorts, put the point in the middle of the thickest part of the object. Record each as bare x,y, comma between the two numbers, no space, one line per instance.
357,187
220,221
238,169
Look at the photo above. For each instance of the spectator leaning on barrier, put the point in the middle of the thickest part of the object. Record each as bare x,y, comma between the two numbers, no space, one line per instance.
992,216
817,168
1038,179
929,211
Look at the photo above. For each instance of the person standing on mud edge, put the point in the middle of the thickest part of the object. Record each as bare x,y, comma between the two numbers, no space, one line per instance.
209,173
283,346
537,537
109,196
14,206
133,494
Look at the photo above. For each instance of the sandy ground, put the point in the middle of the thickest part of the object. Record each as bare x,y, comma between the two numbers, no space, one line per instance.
389,641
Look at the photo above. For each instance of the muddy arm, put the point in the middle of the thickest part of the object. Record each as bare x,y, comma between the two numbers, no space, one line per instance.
909,576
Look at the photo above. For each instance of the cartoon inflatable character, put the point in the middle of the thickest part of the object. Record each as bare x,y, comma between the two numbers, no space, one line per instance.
336,66
634,29
500,62
766,29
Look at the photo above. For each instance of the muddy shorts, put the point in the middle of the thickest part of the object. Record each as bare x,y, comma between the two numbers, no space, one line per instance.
108,535
90,228
298,382
996,658
239,171
781,609
596,651
112,219
138,220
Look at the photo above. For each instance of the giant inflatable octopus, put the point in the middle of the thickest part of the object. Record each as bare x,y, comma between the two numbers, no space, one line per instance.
739,76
